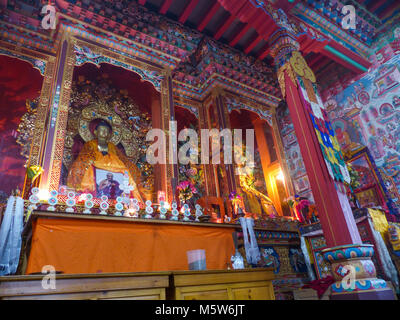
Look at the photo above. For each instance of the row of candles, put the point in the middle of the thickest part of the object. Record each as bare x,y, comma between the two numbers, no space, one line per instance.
124,206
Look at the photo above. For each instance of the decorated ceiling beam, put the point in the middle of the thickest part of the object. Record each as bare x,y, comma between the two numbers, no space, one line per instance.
188,10
347,56
214,62
156,41
330,29
210,14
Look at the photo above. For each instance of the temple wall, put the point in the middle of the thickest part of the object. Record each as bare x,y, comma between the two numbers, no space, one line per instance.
367,111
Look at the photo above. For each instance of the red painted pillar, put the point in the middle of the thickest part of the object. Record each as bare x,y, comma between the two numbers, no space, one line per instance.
330,198
352,267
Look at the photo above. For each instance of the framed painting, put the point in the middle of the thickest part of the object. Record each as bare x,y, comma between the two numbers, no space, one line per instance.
108,183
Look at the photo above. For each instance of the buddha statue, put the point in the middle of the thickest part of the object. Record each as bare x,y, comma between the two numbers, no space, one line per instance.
100,153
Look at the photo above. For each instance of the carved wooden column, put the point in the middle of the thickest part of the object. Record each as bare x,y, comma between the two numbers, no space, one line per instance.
233,179
39,131
209,179
58,115
168,114
159,169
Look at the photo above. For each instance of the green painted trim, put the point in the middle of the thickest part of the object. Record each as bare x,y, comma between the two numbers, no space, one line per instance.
345,58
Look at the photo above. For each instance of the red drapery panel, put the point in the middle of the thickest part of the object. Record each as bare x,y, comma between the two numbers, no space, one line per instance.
93,246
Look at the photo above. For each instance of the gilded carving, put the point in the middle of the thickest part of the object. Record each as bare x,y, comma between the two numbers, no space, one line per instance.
301,67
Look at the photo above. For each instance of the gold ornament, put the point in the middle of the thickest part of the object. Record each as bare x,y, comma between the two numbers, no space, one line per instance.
300,66
286,68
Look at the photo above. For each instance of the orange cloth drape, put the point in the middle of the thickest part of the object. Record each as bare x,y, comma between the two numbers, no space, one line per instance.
92,246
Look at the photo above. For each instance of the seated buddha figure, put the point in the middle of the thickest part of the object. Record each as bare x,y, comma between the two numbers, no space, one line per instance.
101,154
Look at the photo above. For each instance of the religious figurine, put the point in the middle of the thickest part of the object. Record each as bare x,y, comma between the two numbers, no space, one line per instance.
186,212
163,210
101,154
52,200
149,210
71,202
174,212
119,207
104,205
88,204
198,212
126,188
34,199
237,261
133,210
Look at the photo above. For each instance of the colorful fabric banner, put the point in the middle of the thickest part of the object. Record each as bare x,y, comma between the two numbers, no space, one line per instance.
326,136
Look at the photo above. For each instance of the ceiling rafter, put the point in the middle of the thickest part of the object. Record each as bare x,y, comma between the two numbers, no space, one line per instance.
253,44
210,14
188,10
264,53
239,35
224,27
375,5
389,10
228,22
165,6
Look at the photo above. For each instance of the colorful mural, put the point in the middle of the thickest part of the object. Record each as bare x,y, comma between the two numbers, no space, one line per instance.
368,112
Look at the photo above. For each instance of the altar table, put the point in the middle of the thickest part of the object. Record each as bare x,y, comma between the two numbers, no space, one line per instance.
76,243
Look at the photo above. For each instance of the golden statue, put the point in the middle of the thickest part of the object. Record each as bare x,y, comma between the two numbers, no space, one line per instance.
102,154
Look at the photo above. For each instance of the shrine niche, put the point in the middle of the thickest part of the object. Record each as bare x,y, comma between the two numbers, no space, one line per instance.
264,186
108,98
191,184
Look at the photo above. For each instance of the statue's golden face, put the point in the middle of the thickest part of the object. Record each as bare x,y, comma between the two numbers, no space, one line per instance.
102,132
